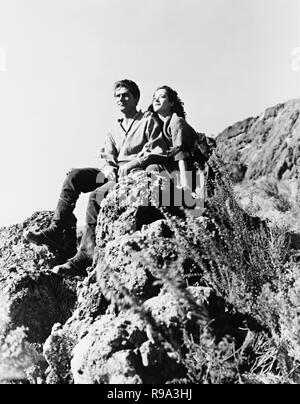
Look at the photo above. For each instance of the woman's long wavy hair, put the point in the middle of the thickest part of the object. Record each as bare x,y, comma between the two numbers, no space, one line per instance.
178,106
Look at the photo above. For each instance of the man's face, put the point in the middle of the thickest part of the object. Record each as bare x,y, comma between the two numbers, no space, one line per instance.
125,100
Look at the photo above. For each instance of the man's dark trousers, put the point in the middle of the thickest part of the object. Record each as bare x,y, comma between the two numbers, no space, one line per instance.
80,180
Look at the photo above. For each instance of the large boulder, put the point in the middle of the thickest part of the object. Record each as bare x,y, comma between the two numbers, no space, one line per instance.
106,337
169,296
58,349
35,300
267,145
128,348
127,263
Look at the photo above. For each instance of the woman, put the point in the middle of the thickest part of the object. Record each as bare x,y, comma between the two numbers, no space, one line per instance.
187,151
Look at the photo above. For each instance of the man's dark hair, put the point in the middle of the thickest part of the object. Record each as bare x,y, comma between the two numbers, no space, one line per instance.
130,85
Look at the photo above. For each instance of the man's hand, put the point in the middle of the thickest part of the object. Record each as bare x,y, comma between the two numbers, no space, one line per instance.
110,173
126,168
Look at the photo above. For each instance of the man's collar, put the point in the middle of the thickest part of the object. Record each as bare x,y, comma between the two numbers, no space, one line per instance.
121,119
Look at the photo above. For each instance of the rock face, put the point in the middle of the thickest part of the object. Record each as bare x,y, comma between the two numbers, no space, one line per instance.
32,298
265,145
111,336
134,310
170,297
30,294
121,349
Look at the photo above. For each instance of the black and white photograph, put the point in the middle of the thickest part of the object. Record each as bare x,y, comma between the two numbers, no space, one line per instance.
150,208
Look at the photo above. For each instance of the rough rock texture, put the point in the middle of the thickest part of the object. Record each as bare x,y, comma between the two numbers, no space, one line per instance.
123,259
123,349
158,283
143,298
106,337
131,311
35,300
32,298
58,349
30,294
265,145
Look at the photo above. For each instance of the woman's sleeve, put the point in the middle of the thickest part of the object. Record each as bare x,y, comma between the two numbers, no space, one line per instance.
183,139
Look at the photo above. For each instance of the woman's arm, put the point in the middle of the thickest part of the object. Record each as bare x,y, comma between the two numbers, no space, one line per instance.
186,177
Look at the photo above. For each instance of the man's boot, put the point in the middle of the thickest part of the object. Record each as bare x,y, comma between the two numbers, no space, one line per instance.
78,265
70,238
62,225
52,236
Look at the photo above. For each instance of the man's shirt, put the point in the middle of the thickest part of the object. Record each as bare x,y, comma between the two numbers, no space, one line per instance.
175,142
125,144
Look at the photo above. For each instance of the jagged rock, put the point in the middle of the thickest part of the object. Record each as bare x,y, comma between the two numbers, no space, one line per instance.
160,363
134,310
30,294
118,348
159,228
267,145
17,356
32,298
121,368
133,261
107,336
57,351
131,272
127,207
126,263
35,300
58,348
165,311
17,254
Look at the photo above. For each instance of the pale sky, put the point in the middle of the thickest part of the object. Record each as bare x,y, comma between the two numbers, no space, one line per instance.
228,59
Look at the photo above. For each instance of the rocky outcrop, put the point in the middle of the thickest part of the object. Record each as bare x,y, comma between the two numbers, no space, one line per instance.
267,145
31,295
135,312
124,349
170,297
109,338
32,298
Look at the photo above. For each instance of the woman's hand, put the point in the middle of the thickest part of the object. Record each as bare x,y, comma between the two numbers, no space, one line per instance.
186,177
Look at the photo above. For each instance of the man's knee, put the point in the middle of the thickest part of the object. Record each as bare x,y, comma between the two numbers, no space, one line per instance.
74,174
101,179
71,180
84,179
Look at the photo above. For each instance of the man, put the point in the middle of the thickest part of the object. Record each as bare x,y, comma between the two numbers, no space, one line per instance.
123,146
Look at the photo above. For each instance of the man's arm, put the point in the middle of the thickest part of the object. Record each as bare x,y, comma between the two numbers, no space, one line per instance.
110,168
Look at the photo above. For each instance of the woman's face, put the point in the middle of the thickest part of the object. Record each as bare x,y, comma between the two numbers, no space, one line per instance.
161,103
